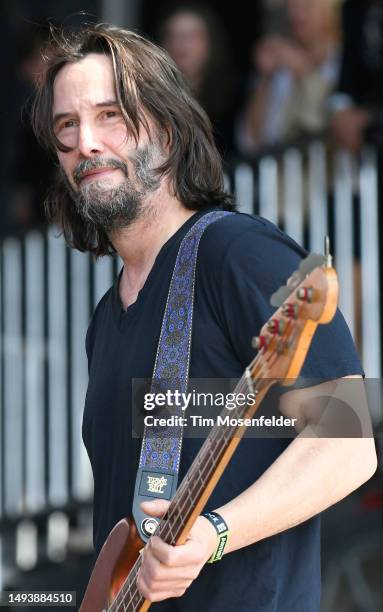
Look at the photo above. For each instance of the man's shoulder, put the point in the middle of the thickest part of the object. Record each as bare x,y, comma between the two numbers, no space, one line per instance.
235,224
240,236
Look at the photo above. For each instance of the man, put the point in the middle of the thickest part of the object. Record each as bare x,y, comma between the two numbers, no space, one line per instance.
139,168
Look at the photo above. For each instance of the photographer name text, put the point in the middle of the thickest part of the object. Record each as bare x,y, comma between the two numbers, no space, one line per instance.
220,420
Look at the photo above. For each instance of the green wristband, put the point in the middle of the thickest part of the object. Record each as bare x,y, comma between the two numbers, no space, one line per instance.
222,532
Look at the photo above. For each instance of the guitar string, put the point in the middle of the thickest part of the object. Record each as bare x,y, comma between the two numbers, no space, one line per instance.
232,428
192,497
228,435
134,571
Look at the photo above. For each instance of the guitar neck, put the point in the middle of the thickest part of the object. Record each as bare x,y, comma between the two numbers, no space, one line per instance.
197,486
207,468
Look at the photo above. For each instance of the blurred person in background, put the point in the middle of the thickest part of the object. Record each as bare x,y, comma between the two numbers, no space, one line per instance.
358,102
196,40
33,168
294,75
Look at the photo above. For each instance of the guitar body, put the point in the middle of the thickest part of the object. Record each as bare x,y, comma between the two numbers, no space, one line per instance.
116,559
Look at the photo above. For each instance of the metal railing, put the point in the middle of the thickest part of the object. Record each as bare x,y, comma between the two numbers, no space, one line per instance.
48,292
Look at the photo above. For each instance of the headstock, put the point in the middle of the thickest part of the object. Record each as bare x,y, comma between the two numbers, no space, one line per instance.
310,298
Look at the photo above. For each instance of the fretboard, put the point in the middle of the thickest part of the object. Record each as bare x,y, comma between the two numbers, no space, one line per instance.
197,485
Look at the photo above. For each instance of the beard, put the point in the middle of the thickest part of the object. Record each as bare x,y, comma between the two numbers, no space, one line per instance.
112,207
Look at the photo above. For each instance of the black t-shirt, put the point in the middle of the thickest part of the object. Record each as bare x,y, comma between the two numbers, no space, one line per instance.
242,260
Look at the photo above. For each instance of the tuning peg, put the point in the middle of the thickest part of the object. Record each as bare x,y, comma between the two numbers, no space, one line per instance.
305,294
259,342
327,254
291,310
276,326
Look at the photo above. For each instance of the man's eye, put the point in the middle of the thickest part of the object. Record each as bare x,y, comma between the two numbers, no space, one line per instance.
68,124
112,113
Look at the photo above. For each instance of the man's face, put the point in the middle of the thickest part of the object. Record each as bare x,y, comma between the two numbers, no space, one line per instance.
106,172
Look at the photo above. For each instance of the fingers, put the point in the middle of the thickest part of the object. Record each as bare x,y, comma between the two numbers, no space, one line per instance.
155,571
155,507
157,581
160,594
175,556
167,571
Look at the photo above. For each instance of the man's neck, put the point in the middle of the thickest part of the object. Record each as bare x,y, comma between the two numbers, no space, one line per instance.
139,244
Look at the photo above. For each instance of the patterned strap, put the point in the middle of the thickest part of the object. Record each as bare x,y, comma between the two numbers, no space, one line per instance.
159,462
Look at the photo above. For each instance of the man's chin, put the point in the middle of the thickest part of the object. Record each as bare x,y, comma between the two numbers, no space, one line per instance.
107,209
99,186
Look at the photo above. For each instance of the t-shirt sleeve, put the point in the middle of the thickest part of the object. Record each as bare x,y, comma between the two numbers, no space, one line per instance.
255,265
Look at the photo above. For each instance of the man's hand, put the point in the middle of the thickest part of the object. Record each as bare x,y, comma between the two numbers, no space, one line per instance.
167,571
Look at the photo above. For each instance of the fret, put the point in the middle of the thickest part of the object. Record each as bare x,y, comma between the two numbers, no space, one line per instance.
201,478
192,486
183,509
185,497
178,516
127,595
188,493
171,534
199,458
138,599
228,434
129,589
168,535
211,458
133,601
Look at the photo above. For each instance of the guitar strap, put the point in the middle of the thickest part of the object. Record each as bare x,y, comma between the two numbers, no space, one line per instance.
159,462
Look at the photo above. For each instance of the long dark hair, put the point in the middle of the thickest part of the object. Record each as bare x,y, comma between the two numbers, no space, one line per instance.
146,79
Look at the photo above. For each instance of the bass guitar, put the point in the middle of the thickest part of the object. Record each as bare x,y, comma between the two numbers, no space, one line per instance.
310,298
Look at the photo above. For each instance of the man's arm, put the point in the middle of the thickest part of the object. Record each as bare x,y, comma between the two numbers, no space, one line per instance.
309,476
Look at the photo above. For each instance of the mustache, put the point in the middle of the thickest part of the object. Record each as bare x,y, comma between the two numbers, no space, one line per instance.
95,163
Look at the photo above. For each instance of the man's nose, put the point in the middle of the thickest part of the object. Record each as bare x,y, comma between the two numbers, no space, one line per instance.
89,141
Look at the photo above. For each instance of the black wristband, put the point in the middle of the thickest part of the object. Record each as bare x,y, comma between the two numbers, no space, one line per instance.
222,532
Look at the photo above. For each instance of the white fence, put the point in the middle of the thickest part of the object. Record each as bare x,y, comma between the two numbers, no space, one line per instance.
310,194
